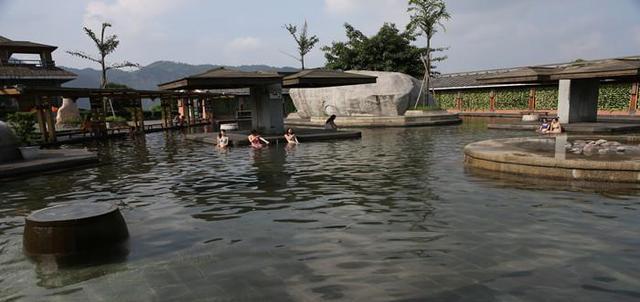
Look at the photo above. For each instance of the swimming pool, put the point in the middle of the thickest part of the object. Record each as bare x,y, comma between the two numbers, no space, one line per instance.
393,216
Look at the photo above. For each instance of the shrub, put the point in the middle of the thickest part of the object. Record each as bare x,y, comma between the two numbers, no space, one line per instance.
116,119
23,124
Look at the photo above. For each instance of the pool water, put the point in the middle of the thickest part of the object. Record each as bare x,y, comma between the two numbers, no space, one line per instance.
393,216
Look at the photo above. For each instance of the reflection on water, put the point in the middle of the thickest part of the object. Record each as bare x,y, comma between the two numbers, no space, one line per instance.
393,216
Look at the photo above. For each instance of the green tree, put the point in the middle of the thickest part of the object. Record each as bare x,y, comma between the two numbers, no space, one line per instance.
304,41
427,16
387,50
106,46
23,125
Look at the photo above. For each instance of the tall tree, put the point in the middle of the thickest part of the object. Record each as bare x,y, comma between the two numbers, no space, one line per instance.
387,50
106,46
427,16
304,41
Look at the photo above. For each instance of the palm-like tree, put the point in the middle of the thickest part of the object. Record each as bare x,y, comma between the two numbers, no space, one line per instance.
106,46
427,16
304,41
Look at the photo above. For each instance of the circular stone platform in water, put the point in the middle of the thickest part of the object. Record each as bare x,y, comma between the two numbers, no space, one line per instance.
74,229
617,159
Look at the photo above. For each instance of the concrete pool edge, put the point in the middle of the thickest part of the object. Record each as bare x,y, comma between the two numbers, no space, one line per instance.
495,155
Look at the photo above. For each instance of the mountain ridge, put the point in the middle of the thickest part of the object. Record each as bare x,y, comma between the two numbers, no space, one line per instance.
149,76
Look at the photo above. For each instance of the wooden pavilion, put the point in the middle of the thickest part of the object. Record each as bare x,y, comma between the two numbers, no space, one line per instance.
40,99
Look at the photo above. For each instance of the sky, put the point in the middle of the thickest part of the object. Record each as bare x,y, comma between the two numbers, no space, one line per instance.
482,34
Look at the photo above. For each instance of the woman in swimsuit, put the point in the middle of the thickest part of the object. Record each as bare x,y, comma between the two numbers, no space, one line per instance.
555,126
291,137
223,139
256,141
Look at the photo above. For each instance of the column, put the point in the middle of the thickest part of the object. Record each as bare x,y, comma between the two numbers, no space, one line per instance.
578,100
633,98
532,98
51,127
492,100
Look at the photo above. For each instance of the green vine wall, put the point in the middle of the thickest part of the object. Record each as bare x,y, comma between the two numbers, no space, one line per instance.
613,96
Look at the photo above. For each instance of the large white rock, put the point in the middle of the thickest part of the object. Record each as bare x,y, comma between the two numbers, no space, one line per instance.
391,95
8,144
68,114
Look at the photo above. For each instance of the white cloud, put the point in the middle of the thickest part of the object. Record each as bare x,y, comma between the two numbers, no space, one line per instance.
130,16
343,6
244,44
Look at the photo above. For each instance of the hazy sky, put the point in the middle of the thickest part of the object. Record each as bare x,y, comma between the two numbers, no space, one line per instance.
481,34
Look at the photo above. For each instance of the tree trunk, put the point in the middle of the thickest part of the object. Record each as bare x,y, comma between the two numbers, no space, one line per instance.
428,67
302,61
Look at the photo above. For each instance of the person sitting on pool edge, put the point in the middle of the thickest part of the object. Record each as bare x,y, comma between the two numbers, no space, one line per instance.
330,124
223,139
555,126
544,128
256,140
291,137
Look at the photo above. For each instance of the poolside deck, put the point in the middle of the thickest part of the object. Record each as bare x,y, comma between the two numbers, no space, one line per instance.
48,161
239,138
580,128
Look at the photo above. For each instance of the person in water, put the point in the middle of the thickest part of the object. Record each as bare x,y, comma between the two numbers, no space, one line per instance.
223,139
555,126
330,124
291,137
256,140
544,128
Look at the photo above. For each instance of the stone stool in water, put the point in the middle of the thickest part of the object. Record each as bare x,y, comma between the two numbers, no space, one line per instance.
75,230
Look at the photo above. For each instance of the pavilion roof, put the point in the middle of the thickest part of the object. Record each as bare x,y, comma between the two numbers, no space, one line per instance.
311,78
8,43
73,92
223,78
530,74
30,72
604,69
617,68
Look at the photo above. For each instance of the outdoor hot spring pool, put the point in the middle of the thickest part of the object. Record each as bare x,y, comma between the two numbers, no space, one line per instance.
393,216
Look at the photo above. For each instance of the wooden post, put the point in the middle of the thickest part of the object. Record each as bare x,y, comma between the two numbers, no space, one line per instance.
41,121
633,99
532,98
163,113
459,101
188,110
492,100
139,106
51,127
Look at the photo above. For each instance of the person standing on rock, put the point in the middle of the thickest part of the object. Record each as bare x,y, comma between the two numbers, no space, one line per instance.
330,124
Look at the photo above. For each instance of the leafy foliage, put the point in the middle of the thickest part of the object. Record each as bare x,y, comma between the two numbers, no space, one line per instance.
614,96
547,98
512,98
426,16
388,50
117,119
447,99
106,46
23,124
304,41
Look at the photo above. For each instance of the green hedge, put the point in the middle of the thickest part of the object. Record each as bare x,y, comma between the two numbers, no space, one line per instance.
446,99
613,96
512,98
477,99
547,98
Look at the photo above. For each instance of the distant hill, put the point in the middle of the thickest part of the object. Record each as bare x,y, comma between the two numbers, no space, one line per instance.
148,77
